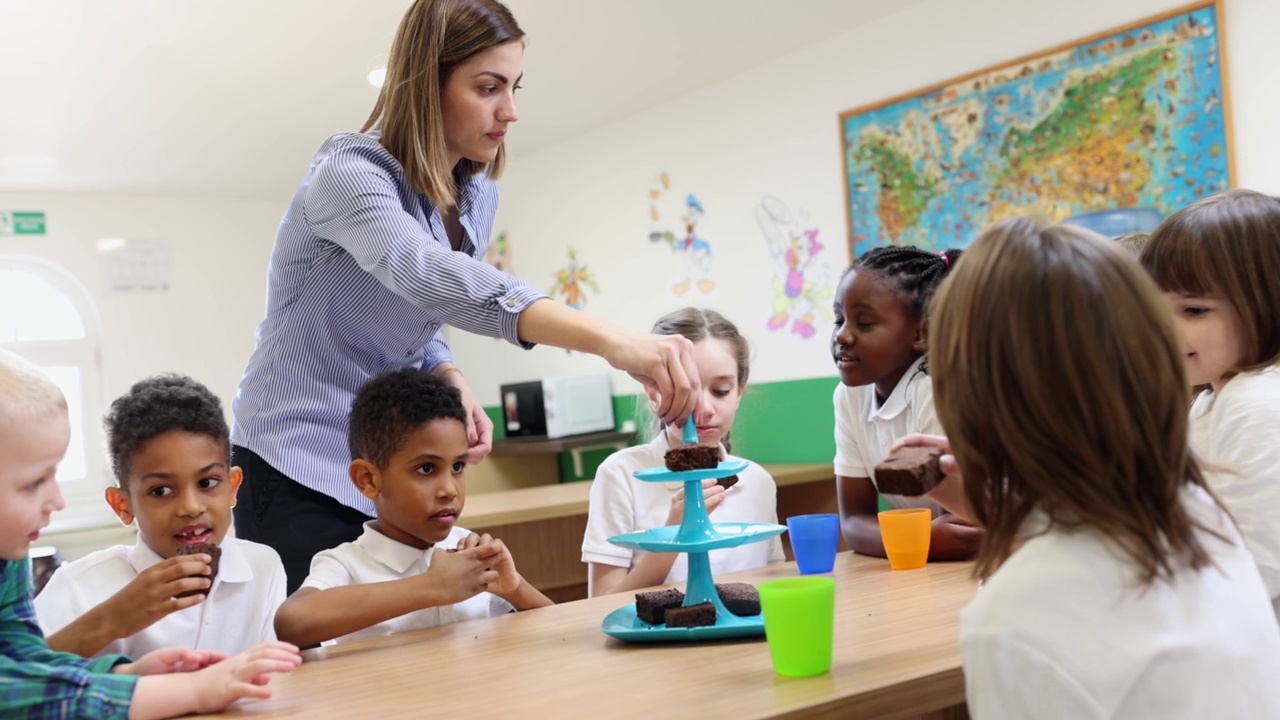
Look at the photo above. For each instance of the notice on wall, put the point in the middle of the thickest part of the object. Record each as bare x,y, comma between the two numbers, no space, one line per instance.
135,266
21,222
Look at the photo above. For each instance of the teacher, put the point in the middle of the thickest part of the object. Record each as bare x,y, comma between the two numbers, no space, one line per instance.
378,251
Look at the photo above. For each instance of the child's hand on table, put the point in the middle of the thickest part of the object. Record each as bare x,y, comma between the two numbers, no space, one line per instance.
170,660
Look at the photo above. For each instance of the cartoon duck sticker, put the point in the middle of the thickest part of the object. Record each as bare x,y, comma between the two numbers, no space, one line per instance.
802,278
695,251
570,280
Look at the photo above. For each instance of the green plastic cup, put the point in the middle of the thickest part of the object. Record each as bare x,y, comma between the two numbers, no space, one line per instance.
799,620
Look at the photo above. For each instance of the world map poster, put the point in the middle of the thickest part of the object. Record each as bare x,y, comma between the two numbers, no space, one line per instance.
1133,117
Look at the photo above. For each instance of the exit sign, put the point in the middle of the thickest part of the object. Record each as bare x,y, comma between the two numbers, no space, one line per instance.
18,222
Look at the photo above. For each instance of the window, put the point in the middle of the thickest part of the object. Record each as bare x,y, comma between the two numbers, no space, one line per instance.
48,317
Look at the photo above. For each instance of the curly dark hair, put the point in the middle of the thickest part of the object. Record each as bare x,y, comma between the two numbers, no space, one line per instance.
153,407
917,272
392,405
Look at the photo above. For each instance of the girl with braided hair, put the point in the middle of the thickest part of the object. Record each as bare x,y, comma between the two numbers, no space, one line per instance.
878,344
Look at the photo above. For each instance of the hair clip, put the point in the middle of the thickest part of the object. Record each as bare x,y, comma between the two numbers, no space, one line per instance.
945,260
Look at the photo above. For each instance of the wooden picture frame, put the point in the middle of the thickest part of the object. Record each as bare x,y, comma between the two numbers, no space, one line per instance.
1054,133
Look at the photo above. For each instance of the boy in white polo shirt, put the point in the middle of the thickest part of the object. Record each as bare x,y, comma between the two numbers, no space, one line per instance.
169,445
413,567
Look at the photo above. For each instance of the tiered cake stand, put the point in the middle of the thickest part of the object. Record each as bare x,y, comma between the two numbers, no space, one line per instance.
695,536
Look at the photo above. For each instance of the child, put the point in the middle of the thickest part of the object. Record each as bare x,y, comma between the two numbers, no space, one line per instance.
622,504
413,567
171,453
36,682
1116,585
885,393
1134,242
1218,261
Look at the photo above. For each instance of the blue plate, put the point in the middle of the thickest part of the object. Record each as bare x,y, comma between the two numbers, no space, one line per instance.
624,625
727,535
661,474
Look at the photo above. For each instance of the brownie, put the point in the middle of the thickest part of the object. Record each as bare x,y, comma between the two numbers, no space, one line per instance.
741,599
909,471
727,482
692,457
652,606
214,552
692,616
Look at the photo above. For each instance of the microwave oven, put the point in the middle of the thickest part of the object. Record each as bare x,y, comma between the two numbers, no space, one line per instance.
557,407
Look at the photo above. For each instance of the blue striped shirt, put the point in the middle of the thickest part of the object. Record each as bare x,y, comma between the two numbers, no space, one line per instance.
362,279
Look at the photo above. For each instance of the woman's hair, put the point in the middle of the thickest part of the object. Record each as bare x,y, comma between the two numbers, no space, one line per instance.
697,325
434,37
1061,386
1226,244
916,272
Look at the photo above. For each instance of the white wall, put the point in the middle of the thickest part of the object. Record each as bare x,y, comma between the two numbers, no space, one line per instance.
204,326
773,130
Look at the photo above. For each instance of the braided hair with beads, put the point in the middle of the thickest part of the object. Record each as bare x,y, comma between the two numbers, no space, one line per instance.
916,272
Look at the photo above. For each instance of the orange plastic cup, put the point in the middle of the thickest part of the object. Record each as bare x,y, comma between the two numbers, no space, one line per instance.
905,533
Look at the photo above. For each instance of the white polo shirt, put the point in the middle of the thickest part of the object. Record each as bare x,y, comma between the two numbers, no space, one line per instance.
865,431
1237,437
238,613
1063,630
373,558
622,504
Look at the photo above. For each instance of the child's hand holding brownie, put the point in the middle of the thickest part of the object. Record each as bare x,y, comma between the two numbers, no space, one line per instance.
154,593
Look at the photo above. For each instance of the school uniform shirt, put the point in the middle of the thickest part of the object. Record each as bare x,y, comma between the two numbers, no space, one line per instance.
1063,629
1235,433
865,430
362,280
373,558
621,504
238,613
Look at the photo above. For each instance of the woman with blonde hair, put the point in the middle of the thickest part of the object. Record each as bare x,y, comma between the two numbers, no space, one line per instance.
1116,584
381,248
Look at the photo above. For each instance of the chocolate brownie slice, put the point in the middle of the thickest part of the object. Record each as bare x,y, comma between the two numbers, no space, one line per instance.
741,599
652,606
215,554
691,457
692,616
909,471
727,482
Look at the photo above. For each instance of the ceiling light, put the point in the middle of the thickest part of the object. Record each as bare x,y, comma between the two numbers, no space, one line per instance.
377,77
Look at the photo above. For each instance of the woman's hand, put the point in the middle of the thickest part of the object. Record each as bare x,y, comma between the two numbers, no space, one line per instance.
663,363
479,426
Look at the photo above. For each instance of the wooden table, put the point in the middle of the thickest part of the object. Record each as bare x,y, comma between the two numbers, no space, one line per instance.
544,525
896,655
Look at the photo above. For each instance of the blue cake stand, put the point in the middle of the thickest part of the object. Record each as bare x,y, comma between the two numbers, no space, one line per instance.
695,536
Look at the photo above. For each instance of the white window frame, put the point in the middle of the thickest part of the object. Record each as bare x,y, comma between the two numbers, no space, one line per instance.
85,506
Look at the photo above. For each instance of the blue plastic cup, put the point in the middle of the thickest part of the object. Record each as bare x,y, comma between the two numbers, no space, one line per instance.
814,540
